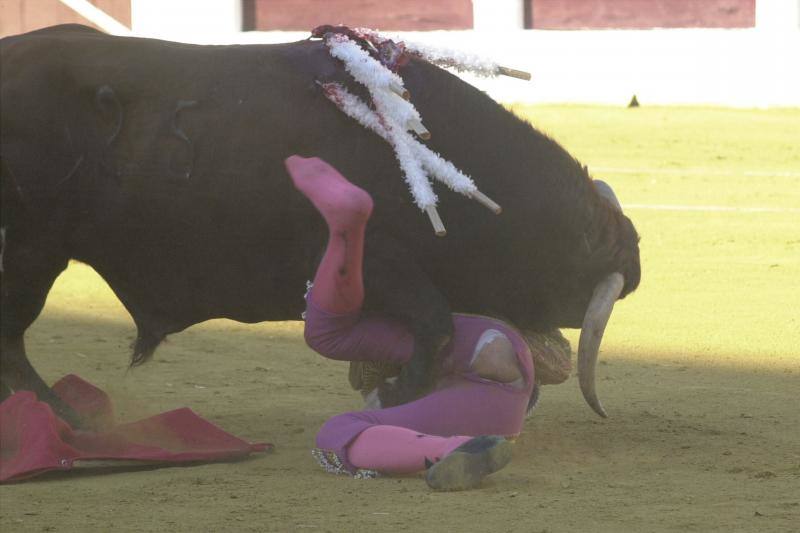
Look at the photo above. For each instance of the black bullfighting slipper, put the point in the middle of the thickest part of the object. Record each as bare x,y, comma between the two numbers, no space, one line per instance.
466,466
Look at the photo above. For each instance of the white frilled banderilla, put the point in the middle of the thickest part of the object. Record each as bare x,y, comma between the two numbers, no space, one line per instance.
392,118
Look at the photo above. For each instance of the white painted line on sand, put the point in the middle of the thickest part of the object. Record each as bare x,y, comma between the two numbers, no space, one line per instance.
712,208
697,172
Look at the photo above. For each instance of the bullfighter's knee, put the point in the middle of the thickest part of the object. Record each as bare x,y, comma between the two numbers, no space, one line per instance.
339,430
330,346
329,335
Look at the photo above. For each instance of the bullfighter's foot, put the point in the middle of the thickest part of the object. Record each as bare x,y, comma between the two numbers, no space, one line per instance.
466,466
343,205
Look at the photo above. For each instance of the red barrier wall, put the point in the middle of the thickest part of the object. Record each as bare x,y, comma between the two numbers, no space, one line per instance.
20,16
640,14
382,15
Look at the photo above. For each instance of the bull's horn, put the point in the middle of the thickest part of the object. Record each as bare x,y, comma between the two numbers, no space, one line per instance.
594,324
605,190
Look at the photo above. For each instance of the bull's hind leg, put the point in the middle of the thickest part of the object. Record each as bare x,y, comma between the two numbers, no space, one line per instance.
27,275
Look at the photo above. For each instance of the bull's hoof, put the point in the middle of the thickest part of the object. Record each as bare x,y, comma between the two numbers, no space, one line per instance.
417,377
392,394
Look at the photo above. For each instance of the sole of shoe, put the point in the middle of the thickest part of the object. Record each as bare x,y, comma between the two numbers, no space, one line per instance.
464,470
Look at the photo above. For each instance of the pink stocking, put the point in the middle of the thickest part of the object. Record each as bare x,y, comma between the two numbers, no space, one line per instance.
397,450
338,285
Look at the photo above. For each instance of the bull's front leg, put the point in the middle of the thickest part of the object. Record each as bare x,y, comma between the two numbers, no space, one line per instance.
395,285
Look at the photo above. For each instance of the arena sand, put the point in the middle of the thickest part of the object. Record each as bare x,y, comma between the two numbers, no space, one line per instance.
700,373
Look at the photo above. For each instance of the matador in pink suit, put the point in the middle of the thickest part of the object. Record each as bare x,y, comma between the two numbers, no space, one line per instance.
485,384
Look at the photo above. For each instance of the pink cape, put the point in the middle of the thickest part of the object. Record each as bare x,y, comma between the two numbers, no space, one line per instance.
34,440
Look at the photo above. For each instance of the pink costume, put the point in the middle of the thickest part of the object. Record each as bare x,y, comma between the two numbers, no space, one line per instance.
404,438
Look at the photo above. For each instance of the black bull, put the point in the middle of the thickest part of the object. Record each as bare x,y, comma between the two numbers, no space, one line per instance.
161,166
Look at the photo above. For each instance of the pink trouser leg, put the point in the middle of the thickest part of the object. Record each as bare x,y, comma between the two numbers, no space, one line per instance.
334,327
397,450
338,284
467,407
